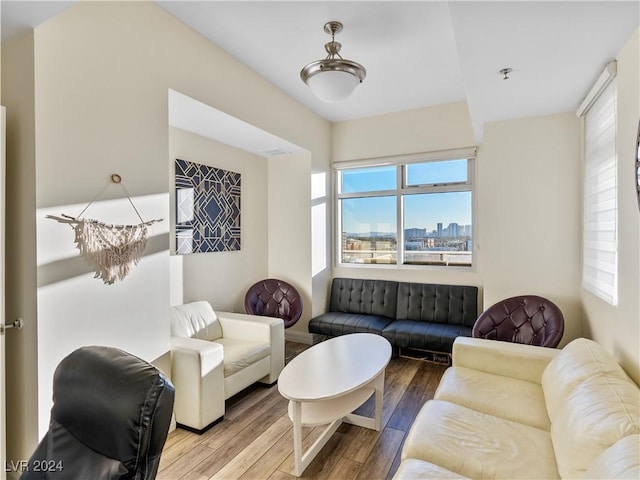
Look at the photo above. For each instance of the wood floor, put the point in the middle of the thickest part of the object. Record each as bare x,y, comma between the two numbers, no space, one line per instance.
255,439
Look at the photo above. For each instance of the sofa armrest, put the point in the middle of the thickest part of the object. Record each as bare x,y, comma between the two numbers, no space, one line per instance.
197,372
515,360
257,328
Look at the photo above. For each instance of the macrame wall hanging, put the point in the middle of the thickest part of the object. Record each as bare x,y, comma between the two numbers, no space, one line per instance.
111,249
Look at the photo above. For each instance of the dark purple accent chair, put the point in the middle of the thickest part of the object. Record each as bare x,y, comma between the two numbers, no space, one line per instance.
525,319
274,298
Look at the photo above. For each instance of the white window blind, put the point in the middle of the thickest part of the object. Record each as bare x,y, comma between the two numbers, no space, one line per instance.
600,248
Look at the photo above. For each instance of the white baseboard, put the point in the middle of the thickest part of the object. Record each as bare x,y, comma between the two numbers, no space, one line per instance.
300,337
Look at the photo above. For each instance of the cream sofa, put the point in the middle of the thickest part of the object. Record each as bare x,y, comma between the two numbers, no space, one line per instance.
513,411
215,355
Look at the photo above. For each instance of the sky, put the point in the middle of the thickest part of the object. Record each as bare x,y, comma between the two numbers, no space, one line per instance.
360,215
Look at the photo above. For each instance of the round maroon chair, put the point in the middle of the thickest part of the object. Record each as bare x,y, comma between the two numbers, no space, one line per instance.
274,298
525,319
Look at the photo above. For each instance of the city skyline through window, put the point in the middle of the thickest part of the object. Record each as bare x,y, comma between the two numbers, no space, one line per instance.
411,214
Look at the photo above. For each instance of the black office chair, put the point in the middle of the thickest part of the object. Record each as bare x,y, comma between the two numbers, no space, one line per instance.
110,419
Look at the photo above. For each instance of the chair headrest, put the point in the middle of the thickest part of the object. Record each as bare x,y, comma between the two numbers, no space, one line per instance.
125,399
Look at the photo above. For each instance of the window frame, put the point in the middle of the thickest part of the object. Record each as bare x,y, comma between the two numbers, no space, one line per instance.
400,192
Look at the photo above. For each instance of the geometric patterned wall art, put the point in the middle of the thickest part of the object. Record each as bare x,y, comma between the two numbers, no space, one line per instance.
207,209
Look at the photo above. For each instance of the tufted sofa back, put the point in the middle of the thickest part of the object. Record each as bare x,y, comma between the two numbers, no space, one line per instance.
369,297
448,304
421,302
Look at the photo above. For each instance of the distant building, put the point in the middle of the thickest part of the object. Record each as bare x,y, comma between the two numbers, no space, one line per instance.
415,233
439,229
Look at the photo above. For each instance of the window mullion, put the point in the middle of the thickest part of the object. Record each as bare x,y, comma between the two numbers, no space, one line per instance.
382,193
399,216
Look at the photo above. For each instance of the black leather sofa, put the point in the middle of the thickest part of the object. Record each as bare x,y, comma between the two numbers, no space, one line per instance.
419,316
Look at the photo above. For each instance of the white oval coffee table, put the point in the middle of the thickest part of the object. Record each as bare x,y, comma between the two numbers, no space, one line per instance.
328,381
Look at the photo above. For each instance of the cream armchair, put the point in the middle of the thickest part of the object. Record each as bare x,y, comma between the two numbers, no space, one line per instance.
214,355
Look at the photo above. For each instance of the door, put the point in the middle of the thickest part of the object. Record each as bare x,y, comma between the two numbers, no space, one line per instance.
3,431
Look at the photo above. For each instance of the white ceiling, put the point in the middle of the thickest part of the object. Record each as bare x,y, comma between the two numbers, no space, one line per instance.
417,53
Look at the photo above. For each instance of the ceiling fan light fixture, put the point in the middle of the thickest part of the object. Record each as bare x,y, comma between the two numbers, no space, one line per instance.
334,78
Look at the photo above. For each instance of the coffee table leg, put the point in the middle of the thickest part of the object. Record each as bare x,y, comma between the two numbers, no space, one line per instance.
297,437
379,388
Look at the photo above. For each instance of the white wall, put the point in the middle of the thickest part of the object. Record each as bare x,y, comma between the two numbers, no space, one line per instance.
97,78
289,180
529,212
618,328
222,278
527,194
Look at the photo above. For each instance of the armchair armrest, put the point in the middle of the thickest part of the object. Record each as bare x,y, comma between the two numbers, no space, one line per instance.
249,327
197,372
525,362
206,354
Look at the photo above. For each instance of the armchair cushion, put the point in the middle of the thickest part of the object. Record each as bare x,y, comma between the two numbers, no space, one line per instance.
239,354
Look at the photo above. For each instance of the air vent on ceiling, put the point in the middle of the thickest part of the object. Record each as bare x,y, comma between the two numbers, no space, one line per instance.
276,151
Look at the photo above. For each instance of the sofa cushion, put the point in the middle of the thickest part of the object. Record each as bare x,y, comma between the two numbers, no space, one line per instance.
369,297
596,414
336,323
621,460
579,360
239,354
478,445
505,397
195,320
449,304
412,469
423,335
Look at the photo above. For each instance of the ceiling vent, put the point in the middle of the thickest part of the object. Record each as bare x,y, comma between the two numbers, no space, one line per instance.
276,151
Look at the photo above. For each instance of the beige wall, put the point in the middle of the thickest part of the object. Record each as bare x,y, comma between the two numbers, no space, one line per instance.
526,199
437,128
618,328
21,360
529,212
97,77
289,180
222,278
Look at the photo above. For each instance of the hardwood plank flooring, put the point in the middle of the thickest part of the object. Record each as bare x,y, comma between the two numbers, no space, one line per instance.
255,439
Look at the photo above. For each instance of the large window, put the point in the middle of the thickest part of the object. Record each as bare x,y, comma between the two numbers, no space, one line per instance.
409,213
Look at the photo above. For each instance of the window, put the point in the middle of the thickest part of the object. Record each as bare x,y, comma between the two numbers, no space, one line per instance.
600,246
416,211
